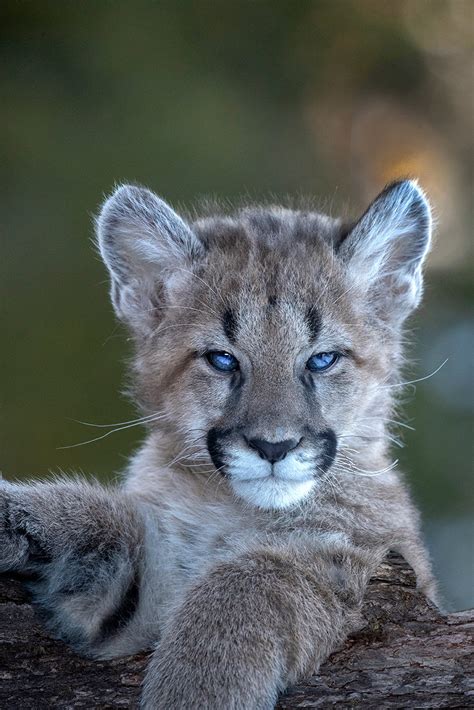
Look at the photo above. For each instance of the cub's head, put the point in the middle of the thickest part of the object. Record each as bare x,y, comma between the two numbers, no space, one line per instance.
266,340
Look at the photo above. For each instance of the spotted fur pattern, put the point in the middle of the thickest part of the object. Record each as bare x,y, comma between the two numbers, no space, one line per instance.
246,562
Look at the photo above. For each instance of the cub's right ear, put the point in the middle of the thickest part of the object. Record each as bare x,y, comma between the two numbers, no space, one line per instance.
142,241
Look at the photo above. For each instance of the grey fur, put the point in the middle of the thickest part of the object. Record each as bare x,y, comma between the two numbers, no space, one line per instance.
248,577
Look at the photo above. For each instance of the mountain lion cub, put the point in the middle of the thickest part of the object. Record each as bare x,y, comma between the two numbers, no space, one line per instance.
267,354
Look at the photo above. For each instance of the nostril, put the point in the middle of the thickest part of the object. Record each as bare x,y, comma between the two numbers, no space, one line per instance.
272,451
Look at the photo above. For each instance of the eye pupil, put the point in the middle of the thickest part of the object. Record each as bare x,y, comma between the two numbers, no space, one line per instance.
322,361
222,361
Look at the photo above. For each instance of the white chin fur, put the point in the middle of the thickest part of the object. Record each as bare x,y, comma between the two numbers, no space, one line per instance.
270,492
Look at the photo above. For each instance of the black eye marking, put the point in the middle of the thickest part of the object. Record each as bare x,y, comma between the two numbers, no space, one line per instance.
229,323
313,322
272,300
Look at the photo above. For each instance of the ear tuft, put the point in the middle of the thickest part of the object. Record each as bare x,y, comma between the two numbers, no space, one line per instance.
386,248
141,240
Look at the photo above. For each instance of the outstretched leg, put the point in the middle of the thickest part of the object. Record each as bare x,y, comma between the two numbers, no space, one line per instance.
80,546
255,625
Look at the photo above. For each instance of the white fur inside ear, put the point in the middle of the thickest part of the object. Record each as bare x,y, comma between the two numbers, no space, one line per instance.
142,241
388,245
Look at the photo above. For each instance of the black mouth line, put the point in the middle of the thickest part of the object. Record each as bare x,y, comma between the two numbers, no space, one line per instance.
216,452
329,443
323,459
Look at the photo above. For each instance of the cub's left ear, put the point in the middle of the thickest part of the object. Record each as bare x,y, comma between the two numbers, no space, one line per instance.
143,242
385,250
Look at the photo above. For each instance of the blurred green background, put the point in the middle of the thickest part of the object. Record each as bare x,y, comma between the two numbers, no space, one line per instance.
331,98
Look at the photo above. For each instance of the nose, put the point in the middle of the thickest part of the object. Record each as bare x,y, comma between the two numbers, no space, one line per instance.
272,451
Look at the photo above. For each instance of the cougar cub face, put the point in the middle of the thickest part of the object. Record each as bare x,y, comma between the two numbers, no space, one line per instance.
264,339
269,365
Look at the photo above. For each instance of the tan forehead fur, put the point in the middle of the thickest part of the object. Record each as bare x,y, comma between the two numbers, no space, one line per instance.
267,267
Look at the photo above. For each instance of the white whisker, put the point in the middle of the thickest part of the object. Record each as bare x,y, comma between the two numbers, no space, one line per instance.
368,474
140,420
420,379
97,438
390,421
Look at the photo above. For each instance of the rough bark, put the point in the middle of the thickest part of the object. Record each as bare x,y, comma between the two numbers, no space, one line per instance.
408,655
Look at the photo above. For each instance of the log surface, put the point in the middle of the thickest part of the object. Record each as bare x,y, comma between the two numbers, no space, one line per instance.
408,655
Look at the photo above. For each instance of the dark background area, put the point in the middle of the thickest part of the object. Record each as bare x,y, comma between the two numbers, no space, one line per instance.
330,98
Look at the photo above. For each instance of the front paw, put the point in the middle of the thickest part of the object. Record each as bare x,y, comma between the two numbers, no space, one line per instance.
179,679
22,537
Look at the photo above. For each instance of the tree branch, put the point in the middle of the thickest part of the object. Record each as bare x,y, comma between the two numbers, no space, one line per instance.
408,655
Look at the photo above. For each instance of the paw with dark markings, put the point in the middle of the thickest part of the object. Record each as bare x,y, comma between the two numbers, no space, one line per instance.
22,537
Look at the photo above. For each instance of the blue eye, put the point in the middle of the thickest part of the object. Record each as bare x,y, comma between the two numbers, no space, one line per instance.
222,361
322,361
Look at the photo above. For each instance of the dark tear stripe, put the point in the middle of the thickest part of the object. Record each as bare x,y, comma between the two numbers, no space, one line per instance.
307,379
124,612
313,321
236,382
229,323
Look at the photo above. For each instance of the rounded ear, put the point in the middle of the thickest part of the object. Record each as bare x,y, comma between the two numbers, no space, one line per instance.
142,241
385,250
